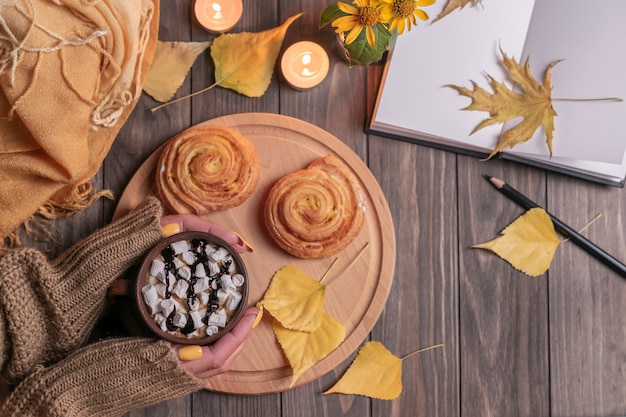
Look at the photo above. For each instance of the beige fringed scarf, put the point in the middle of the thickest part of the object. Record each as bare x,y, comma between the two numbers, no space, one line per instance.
71,72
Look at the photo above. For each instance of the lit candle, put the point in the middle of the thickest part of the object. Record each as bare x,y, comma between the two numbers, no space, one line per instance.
304,65
218,16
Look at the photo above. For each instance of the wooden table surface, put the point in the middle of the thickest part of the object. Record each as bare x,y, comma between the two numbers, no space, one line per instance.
514,345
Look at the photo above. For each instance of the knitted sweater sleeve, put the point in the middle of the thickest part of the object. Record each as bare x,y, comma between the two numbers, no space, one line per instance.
105,379
48,308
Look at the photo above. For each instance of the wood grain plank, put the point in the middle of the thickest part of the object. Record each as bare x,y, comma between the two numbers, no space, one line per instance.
421,311
587,309
256,17
336,105
503,313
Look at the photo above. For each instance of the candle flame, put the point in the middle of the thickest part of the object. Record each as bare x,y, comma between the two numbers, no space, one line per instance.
306,61
217,8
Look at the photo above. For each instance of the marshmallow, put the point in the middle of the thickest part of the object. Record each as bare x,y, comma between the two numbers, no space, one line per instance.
201,285
181,288
209,249
196,317
204,298
238,280
194,304
214,267
219,254
157,268
159,319
172,281
188,257
200,272
233,300
232,266
155,307
218,318
211,330
178,263
227,283
160,289
180,247
168,306
222,296
149,293
180,320
185,273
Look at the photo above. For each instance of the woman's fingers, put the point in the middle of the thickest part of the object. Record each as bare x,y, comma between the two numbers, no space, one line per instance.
189,222
217,357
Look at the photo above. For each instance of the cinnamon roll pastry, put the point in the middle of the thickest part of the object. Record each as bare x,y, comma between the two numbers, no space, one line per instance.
316,212
207,168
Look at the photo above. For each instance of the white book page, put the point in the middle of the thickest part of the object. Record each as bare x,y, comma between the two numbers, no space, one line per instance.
589,37
463,46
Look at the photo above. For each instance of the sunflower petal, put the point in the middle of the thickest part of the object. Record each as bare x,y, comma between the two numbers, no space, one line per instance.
371,37
353,34
347,8
421,14
345,23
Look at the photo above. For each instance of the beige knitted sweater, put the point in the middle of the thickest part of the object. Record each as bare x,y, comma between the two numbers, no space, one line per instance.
47,311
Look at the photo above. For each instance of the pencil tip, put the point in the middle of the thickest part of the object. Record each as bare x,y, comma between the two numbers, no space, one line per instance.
497,182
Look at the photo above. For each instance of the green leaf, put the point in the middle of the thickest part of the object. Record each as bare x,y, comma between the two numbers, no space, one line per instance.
329,14
360,53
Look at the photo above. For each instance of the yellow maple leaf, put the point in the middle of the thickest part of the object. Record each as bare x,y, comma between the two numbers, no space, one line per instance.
295,299
170,65
528,244
452,5
305,349
534,104
244,62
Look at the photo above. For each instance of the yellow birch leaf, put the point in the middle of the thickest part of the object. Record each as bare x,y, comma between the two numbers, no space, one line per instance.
452,5
295,299
375,372
305,349
533,104
244,62
171,63
528,244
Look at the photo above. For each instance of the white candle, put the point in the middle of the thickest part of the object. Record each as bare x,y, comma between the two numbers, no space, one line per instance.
304,65
218,16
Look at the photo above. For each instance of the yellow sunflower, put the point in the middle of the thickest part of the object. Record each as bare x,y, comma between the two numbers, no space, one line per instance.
361,14
402,13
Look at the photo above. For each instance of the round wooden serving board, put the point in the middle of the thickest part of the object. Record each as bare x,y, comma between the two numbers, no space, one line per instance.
356,298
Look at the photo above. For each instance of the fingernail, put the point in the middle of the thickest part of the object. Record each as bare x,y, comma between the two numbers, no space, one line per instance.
170,229
190,353
243,242
259,316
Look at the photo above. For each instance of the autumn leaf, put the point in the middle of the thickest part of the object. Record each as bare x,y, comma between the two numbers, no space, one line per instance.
244,62
534,104
375,373
295,299
452,5
305,349
170,65
528,244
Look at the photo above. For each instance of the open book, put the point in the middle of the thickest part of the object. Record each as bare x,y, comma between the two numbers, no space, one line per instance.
414,104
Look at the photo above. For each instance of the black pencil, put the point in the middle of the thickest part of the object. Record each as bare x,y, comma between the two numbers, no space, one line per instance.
561,227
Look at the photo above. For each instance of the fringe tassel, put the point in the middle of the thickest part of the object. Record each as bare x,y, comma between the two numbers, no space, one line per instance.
38,224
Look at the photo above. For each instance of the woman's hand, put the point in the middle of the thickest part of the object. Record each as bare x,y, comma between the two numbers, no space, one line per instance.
216,358
189,222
